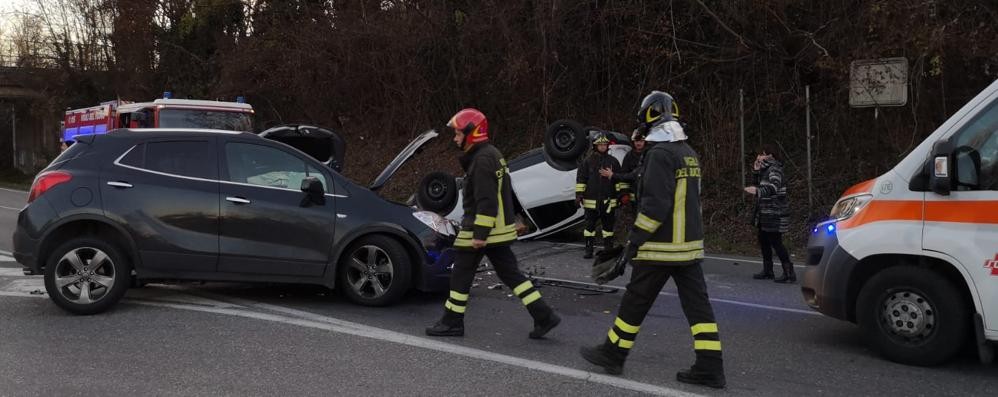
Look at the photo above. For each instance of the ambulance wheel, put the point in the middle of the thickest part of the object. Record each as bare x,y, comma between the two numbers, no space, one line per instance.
913,316
437,192
565,140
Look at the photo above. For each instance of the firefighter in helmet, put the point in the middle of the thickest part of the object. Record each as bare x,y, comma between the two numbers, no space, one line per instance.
487,229
598,194
665,242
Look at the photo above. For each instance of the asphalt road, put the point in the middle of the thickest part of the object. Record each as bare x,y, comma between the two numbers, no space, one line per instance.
240,339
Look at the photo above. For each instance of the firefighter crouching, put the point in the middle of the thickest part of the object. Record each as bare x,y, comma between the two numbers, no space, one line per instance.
487,229
666,241
598,194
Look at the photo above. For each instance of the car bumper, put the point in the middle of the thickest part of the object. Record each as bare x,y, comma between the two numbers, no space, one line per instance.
438,262
24,251
825,284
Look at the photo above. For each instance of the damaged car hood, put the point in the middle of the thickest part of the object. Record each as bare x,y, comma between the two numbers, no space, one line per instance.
403,156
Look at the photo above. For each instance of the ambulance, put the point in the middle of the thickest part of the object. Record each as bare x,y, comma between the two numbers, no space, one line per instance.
912,255
165,112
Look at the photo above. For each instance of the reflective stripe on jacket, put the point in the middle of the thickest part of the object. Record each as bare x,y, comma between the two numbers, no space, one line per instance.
488,199
668,228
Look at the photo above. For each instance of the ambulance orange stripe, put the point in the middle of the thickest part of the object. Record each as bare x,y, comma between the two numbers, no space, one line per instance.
980,212
977,212
862,187
885,210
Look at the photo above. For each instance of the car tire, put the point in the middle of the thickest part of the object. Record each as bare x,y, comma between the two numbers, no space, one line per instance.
565,140
380,282
913,316
437,192
87,275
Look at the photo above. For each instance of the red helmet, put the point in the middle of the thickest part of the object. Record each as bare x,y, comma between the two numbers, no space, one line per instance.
472,123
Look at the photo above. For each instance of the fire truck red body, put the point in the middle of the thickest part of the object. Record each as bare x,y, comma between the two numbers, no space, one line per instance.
160,113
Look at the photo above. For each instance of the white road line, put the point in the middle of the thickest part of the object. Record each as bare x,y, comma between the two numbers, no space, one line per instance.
334,325
5,258
13,190
10,208
22,294
369,332
729,301
720,258
10,272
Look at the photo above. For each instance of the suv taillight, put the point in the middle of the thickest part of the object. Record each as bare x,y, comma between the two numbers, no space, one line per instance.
47,180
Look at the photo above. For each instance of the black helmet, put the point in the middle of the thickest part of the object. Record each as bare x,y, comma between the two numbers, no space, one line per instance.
657,108
600,138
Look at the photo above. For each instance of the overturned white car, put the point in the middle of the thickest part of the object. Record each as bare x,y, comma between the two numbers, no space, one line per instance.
543,179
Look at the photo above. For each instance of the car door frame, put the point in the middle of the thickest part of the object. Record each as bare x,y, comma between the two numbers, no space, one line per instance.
331,184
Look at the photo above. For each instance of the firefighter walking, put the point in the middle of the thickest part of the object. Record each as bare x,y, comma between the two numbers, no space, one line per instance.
665,242
598,194
487,229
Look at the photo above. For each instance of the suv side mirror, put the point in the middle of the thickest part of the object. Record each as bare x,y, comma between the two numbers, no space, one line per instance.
314,192
940,174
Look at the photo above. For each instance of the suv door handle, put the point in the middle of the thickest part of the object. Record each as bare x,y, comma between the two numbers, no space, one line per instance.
237,200
123,185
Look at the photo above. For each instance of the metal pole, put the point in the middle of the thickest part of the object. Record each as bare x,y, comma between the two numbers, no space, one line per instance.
741,116
810,191
13,135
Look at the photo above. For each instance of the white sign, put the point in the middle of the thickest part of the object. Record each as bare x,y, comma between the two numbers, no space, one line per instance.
878,82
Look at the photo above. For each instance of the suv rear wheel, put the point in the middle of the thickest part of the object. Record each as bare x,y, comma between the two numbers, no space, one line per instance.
86,275
374,271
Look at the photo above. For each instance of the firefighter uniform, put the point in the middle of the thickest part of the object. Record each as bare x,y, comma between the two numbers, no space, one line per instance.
666,242
628,175
488,216
599,195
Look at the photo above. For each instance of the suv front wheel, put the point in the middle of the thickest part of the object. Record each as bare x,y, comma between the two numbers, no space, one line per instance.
86,275
374,271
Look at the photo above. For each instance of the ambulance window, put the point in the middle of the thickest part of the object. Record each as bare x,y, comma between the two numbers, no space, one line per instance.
978,143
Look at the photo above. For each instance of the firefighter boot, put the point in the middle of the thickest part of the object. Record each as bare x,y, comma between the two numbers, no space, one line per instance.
766,273
608,243
788,277
590,244
451,324
610,358
699,376
545,319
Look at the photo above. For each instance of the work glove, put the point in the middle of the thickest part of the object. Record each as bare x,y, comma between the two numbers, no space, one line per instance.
610,264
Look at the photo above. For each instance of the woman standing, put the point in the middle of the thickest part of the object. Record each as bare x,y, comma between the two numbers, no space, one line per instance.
771,217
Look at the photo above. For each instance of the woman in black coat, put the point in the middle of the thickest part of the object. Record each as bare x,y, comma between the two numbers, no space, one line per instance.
772,214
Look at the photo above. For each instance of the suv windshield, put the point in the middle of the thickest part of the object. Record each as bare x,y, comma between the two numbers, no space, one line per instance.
192,118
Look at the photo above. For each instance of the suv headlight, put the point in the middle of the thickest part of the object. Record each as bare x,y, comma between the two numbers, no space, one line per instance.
436,222
849,206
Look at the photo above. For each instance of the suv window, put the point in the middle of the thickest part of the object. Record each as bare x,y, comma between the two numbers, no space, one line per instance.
977,147
135,157
266,166
185,158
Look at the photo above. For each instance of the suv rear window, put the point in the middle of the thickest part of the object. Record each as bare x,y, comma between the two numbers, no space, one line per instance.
185,158
135,157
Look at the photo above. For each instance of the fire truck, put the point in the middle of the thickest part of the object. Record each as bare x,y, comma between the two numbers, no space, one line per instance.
165,112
